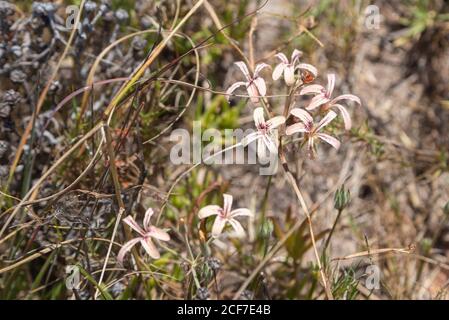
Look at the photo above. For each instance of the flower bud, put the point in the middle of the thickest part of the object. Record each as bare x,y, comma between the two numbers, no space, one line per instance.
341,198
266,229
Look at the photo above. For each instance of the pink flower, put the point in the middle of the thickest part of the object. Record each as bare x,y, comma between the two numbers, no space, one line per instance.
225,215
289,67
266,134
255,85
146,234
323,98
310,130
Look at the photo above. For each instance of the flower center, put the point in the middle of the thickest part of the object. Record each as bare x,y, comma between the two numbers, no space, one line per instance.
263,127
222,213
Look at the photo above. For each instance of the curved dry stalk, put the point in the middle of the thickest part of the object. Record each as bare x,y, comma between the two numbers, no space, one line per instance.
93,69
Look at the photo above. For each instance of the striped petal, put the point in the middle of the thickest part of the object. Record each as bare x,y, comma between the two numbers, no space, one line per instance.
289,75
276,122
237,227
282,57
302,114
296,54
208,211
330,84
250,138
261,86
345,114
150,248
253,93
308,67
270,144
129,220
241,212
227,203
146,219
294,128
126,248
158,234
259,68
312,89
218,226
258,116
329,139
242,66
317,101
277,72
326,120
347,97
233,88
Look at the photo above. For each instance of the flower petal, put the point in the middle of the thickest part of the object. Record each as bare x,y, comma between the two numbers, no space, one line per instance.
242,66
262,148
253,93
289,75
232,88
329,139
277,72
241,212
296,54
330,84
317,101
326,120
129,220
313,88
208,211
237,227
270,144
126,248
158,234
227,203
308,67
258,116
294,128
261,86
347,97
218,226
259,68
345,115
302,114
150,248
276,122
250,138
282,57
146,219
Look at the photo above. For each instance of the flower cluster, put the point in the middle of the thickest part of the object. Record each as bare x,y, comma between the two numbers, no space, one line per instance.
296,75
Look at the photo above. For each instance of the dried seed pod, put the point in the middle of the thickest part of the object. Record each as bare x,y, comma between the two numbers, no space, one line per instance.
43,9
16,51
6,9
4,147
55,87
90,6
139,43
122,16
202,294
4,171
17,76
214,263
